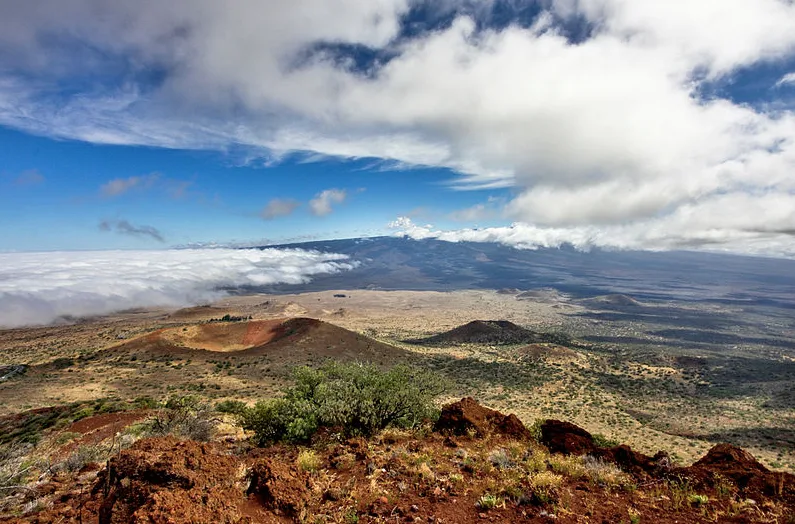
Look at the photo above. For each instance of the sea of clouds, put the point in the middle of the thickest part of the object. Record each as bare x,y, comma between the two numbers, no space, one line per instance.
40,288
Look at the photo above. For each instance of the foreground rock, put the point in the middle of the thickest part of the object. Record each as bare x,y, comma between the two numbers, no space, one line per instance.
415,478
467,416
167,480
724,463
739,467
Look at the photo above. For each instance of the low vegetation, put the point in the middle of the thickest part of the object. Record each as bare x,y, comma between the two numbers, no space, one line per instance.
352,399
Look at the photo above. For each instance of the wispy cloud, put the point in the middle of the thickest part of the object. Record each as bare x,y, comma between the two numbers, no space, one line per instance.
279,207
124,227
38,288
31,177
787,79
120,186
321,205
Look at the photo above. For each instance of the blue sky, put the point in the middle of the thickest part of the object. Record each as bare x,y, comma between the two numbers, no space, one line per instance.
52,196
596,123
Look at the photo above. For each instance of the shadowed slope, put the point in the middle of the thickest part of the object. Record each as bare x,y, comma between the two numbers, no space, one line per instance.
491,332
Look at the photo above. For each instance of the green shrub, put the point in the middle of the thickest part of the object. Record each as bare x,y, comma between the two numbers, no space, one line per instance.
233,407
604,442
358,399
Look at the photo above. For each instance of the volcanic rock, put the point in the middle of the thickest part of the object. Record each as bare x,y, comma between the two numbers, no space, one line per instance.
466,415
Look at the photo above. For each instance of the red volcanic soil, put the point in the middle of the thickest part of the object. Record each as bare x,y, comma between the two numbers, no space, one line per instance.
96,429
382,480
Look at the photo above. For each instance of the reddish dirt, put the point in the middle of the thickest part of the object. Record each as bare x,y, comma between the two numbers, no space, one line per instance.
466,415
165,480
99,428
283,489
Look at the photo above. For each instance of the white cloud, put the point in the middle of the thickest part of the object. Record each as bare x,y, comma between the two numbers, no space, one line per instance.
608,133
38,288
321,204
279,207
713,226
787,79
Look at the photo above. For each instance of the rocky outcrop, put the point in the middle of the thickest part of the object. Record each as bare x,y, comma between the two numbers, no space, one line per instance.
570,439
168,480
466,415
740,468
283,489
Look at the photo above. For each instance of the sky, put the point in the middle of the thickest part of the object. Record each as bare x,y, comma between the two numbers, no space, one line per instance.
621,124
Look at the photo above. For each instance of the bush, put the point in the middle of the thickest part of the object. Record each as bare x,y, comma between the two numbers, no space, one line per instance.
184,416
85,455
359,399
233,407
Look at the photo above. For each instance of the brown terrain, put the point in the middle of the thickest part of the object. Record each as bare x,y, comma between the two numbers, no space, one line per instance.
477,465
76,395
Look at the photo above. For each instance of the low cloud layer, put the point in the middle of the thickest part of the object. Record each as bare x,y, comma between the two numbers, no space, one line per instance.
679,232
39,288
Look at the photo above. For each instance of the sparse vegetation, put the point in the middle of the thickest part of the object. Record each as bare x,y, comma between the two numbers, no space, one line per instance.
488,501
308,460
184,416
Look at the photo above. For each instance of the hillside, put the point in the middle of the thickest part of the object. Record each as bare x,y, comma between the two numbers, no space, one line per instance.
476,465
215,359
496,332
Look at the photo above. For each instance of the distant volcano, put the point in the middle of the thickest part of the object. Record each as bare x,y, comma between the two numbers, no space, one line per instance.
496,332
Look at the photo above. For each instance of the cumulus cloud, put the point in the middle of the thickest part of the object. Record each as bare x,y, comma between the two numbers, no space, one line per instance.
279,207
321,204
38,288
124,227
609,130
120,186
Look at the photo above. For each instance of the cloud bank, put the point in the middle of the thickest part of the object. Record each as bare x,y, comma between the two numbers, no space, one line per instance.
605,115
39,288
674,233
